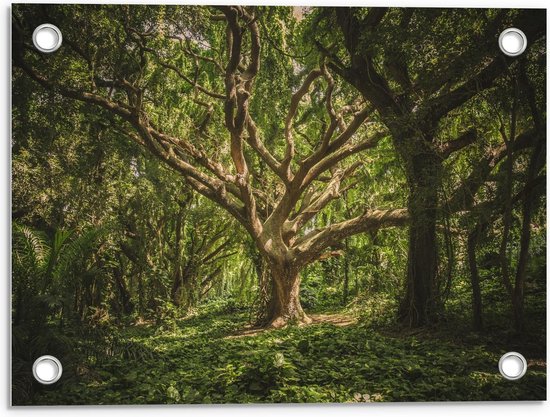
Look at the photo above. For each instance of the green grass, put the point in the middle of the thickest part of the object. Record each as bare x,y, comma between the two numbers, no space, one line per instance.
195,360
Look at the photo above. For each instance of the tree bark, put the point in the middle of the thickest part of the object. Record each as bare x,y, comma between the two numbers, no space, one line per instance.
345,292
419,305
178,274
284,306
123,293
477,310
175,293
264,286
535,164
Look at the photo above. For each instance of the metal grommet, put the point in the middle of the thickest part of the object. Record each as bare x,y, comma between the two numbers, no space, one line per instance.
512,42
47,38
512,366
47,369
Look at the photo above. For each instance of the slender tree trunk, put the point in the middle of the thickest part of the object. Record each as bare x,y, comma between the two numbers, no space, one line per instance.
18,303
184,289
176,286
190,285
419,305
507,222
474,278
141,290
284,306
508,189
178,275
124,294
521,272
535,164
375,261
345,293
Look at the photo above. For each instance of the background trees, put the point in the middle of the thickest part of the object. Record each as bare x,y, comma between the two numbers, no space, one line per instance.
380,162
417,99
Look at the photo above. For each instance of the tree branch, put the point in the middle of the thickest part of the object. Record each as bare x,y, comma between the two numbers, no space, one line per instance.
184,77
238,89
463,196
533,23
310,246
318,202
294,102
338,155
447,148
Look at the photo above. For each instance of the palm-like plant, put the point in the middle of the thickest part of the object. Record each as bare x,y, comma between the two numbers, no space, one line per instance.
46,273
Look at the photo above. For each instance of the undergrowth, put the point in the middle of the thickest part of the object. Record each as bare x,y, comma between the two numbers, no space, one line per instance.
204,359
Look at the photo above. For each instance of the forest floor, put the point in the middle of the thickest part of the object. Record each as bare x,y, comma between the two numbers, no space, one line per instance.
205,358
337,319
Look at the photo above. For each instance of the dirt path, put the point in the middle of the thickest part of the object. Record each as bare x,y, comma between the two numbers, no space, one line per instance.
338,319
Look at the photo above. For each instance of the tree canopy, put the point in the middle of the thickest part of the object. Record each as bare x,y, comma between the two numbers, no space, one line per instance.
288,159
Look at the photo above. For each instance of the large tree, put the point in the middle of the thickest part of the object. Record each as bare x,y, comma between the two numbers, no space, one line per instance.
273,126
169,78
419,68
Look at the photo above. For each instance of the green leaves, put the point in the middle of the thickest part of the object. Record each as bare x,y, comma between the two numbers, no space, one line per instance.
46,271
151,282
202,361
173,394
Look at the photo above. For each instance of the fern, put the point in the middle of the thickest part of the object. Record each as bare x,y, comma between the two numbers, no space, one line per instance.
75,252
30,251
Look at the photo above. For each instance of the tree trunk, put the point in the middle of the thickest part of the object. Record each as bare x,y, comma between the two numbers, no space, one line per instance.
264,286
18,306
284,306
474,278
419,304
178,275
123,293
175,293
375,261
535,164
345,293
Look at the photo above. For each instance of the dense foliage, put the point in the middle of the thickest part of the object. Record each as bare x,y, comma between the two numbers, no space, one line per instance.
203,359
276,204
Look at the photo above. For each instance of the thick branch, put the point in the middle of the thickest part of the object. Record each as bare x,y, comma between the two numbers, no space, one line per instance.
91,98
309,247
338,155
294,102
447,148
363,74
257,144
237,93
318,202
533,23
463,196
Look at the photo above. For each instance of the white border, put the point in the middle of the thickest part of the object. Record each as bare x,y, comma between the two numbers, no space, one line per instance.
500,409
348,3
